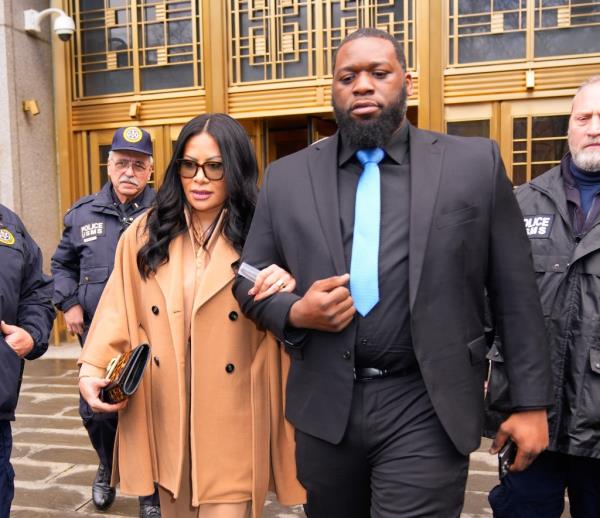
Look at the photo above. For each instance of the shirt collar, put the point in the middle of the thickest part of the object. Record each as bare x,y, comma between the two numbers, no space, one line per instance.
396,148
131,204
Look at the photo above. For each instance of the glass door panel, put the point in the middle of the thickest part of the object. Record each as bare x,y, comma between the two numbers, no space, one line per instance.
472,120
534,136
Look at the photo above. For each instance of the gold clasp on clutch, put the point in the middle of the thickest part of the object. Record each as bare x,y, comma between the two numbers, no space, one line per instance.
111,366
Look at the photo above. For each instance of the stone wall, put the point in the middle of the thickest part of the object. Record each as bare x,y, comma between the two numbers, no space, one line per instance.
28,173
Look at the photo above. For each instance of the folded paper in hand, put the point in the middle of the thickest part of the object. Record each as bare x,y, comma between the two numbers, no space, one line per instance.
248,272
125,374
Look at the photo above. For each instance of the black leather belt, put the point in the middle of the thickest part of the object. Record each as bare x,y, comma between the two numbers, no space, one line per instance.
371,373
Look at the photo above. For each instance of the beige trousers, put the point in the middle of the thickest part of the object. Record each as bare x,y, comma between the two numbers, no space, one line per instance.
182,507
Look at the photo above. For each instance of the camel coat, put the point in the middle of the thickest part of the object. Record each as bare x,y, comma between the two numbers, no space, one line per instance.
238,372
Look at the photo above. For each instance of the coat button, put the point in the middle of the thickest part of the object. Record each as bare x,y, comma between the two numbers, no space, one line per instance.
155,310
556,267
229,368
347,355
233,316
86,278
364,341
157,361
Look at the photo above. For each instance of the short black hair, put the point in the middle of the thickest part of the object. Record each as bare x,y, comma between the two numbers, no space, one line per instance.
371,32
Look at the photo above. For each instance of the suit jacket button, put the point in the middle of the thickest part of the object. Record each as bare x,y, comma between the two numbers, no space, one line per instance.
156,361
347,355
229,368
155,310
233,316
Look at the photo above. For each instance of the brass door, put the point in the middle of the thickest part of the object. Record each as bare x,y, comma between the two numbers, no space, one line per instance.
532,134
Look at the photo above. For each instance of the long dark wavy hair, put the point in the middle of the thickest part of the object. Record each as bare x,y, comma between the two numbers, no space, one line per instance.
166,218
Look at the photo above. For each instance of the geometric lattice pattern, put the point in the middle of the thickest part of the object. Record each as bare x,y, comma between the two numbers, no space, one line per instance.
566,27
539,143
483,31
486,30
295,39
132,46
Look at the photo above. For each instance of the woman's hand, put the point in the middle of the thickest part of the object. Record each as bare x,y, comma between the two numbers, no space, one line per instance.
89,387
271,280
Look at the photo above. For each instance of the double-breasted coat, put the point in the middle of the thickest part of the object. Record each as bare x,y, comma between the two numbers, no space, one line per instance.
236,423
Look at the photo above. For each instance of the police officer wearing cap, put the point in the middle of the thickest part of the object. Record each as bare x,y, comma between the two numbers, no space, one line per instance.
26,316
82,265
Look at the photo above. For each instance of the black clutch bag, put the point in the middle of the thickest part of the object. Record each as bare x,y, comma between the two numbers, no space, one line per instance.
125,374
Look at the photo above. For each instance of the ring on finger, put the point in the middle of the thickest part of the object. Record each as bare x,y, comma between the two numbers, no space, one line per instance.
280,283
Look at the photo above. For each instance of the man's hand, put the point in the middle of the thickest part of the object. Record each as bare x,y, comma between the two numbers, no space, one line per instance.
326,306
529,430
270,280
74,319
89,387
19,339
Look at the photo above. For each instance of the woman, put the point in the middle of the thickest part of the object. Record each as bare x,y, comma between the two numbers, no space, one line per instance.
207,421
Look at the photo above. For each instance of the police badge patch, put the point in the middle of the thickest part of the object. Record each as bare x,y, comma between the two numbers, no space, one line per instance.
6,237
92,231
132,134
539,226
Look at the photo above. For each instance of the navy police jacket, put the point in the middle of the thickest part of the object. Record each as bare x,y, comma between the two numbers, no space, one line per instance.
567,267
84,259
25,301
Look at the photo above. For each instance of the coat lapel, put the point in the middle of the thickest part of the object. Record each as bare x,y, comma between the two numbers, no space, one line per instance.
322,167
218,272
425,170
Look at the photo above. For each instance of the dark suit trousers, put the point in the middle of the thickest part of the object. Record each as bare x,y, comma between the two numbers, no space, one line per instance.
395,459
101,427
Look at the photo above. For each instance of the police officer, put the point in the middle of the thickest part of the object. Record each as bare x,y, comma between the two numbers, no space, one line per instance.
561,210
82,265
26,316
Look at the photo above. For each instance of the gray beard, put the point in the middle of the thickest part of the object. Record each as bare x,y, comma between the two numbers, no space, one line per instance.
587,160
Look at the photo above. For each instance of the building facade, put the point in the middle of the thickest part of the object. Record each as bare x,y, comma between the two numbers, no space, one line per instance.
504,69
499,68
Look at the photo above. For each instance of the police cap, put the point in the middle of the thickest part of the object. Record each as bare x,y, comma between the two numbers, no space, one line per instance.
132,138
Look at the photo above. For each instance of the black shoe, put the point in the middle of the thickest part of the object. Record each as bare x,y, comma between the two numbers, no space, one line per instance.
102,494
149,511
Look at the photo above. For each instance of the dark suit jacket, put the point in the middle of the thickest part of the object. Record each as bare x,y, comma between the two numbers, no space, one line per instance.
466,234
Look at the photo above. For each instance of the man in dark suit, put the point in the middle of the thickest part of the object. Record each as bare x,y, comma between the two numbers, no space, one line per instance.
386,384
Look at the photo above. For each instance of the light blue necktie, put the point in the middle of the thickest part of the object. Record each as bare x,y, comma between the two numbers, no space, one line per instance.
364,266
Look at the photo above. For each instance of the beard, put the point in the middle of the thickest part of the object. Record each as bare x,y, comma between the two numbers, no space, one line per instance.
374,132
586,159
